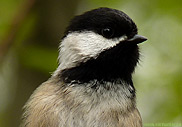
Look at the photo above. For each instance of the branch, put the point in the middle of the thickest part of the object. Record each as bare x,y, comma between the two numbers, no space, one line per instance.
15,25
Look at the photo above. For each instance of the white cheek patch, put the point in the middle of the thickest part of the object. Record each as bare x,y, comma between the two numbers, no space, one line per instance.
91,44
78,47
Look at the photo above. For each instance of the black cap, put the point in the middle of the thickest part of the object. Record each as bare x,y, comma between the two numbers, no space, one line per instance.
99,19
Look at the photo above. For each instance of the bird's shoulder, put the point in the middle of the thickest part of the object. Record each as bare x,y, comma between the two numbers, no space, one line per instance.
40,109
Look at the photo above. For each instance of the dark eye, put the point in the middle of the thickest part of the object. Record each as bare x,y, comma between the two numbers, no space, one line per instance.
107,32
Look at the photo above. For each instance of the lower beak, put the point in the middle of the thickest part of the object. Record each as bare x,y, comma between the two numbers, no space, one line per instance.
137,39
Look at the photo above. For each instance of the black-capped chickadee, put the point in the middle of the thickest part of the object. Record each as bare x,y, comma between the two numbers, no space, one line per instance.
92,86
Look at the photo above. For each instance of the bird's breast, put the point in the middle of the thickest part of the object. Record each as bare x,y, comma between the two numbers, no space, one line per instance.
57,105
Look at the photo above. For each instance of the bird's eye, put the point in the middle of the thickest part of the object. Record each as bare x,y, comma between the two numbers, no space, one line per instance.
107,32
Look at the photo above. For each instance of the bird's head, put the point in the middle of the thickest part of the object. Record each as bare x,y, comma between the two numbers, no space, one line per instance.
100,44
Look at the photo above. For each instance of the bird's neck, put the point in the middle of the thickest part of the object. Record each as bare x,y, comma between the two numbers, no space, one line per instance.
97,70
95,76
116,63
116,94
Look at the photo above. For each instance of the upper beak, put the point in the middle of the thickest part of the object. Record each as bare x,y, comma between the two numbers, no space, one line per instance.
137,39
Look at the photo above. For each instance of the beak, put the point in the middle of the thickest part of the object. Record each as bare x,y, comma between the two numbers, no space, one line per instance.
137,39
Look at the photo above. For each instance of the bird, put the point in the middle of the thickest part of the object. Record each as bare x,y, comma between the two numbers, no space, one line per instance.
92,85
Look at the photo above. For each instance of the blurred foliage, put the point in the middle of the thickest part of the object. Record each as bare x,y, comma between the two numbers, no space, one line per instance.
30,57
30,32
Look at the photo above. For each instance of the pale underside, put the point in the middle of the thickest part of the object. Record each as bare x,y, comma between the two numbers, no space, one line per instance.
53,105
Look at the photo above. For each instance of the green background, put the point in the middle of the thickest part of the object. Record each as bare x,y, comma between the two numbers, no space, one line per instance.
30,32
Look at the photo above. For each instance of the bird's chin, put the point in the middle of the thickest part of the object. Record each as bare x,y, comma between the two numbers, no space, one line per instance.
116,63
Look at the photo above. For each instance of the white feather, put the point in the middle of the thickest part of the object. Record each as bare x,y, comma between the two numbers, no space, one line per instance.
78,47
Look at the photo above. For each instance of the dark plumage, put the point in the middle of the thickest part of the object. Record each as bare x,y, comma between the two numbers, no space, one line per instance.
118,62
98,19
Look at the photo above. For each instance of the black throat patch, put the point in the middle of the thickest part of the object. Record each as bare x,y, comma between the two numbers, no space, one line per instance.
116,63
